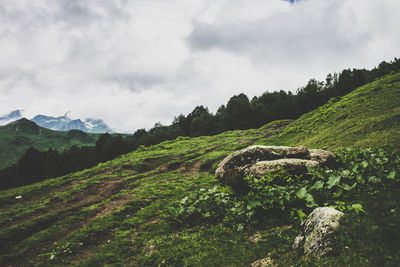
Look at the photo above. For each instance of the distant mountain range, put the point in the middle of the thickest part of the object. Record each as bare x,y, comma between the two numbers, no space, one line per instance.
13,116
61,123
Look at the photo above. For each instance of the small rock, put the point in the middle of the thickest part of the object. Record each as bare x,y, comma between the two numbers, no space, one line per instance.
256,237
317,231
266,262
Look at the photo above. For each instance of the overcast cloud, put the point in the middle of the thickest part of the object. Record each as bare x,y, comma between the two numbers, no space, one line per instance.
133,63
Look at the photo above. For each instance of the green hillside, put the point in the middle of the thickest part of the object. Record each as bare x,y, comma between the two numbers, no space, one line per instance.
18,136
120,211
369,116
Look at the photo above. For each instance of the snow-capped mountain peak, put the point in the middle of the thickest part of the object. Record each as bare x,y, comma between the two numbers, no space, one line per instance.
61,123
64,123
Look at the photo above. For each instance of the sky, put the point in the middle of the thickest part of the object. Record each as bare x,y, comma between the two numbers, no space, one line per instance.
133,63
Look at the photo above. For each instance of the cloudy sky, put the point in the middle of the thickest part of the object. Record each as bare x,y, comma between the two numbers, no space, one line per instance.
136,62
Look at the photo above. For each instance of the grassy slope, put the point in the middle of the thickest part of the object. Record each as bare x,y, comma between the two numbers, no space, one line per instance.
18,136
367,117
116,212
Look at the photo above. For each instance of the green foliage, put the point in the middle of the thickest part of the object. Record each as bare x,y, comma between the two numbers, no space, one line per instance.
61,251
280,197
361,171
204,205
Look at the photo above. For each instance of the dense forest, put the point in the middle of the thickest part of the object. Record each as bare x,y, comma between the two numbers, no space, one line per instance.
239,113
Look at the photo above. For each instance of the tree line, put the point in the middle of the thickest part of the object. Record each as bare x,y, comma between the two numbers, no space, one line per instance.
38,165
239,113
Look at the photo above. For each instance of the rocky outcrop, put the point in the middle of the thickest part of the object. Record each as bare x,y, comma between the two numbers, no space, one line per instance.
317,231
259,160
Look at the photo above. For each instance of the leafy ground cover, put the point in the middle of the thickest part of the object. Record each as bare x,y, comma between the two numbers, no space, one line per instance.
365,187
128,210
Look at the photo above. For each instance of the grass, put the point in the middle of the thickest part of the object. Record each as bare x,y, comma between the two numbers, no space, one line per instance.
118,212
371,112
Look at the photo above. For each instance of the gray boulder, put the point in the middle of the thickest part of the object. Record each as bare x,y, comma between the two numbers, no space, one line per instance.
295,166
259,160
253,154
317,231
324,157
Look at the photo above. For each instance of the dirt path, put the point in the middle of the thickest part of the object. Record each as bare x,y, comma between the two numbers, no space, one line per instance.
95,193
85,198
65,187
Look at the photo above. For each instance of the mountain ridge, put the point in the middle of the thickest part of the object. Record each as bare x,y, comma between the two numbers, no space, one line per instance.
60,123
64,123
12,116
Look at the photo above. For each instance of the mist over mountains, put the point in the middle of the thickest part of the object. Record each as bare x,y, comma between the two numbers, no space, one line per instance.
61,123
13,116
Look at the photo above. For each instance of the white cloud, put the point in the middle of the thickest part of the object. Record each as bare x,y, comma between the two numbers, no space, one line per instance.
133,63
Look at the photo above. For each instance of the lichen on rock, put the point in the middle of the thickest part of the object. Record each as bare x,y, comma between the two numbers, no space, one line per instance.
257,161
318,231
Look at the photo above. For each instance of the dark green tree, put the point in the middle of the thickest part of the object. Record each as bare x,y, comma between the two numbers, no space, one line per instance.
238,112
202,124
31,165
